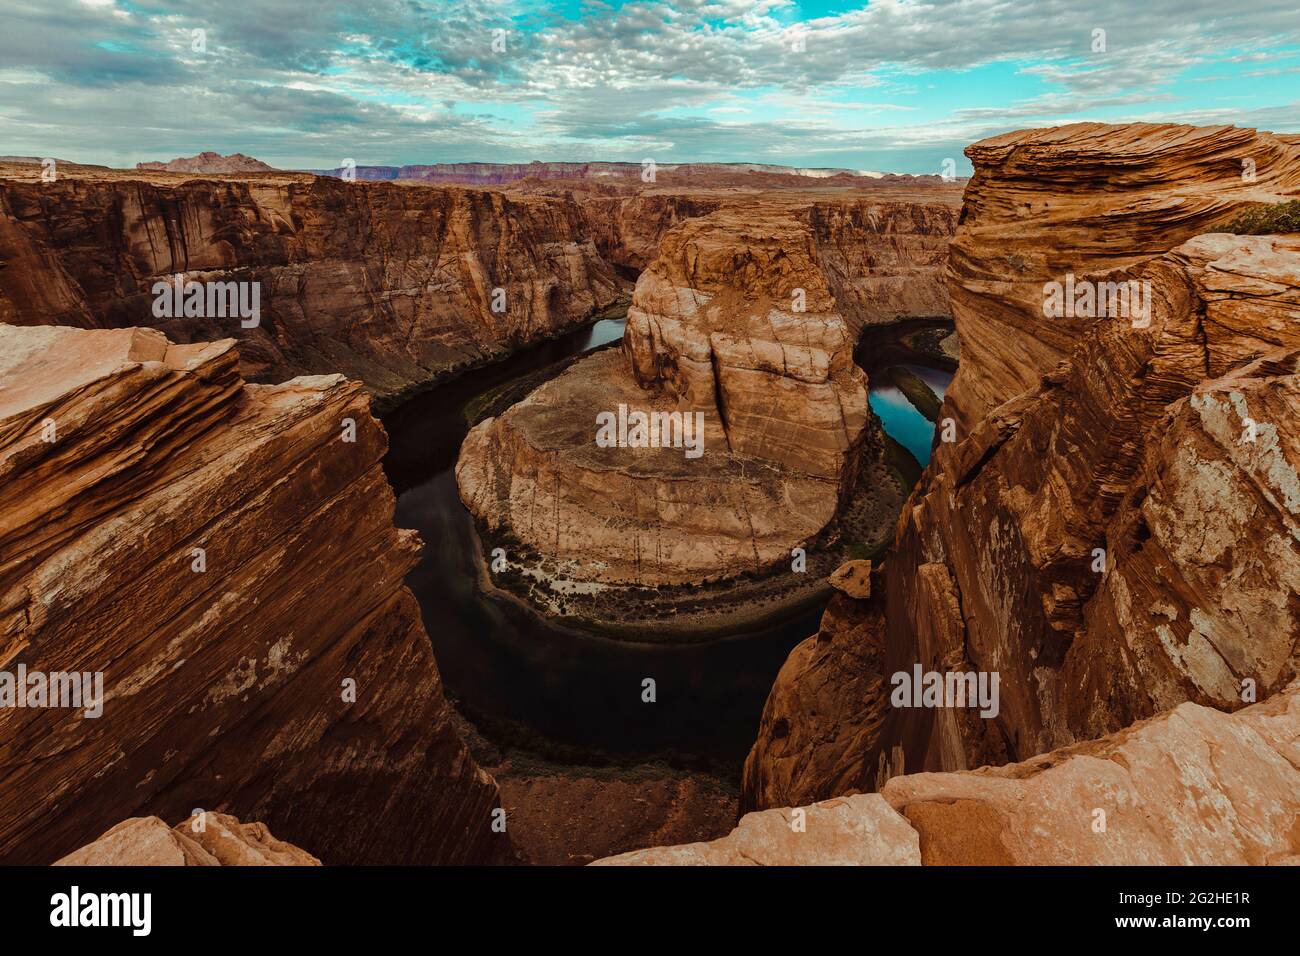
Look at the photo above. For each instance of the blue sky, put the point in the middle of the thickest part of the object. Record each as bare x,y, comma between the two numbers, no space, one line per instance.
890,85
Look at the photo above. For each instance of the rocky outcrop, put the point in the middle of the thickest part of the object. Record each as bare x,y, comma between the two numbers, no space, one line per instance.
212,839
821,723
1127,535
1193,786
219,561
209,162
861,830
392,285
1118,538
1084,198
738,323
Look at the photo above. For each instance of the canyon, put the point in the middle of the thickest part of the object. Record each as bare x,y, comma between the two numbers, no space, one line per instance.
1107,520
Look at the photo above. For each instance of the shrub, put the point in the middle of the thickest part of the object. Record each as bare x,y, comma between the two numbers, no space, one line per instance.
1262,220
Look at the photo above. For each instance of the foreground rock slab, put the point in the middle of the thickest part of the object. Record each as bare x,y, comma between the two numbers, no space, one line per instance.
859,830
222,841
1193,786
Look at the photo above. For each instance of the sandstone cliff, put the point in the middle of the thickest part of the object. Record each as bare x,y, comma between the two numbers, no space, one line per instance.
224,556
1088,197
1193,786
391,285
1115,529
213,839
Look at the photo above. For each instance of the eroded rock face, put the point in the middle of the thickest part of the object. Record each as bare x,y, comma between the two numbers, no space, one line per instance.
1114,540
821,723
224,555
221,841
1088,197
1125,537
739,322
387,284
1193,786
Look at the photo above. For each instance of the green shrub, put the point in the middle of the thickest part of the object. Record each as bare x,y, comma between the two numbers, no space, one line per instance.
1262,220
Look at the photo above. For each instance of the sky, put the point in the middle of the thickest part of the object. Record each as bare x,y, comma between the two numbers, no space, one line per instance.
888,85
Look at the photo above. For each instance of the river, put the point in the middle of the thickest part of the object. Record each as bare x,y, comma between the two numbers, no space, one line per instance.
518,677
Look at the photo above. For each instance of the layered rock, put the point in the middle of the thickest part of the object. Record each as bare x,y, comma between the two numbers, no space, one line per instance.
390,285
1193,786
1088,197
1118,538
1126,536
223,555
747,318
213,839
733,327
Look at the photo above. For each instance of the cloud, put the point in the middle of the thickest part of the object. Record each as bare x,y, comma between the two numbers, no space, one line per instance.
897,81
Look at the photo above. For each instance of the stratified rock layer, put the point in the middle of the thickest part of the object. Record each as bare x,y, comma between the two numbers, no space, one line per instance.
1121,536
224,555
213,839
1193,786
1084,198
746,318
388,284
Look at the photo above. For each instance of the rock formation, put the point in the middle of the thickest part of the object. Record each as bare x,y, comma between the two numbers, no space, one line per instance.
209,162
860,830
1089,197
224,556
213,839
746,320
391,285
1116,528
1191,786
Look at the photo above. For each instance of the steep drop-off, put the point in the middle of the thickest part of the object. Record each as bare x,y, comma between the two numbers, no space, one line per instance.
392,285
1115,528
224,556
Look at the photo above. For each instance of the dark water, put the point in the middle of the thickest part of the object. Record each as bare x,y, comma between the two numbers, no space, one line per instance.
575,689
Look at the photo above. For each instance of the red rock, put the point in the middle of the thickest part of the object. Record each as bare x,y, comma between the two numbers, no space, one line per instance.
223,841
225,689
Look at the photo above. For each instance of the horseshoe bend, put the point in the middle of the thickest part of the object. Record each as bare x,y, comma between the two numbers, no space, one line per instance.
908,568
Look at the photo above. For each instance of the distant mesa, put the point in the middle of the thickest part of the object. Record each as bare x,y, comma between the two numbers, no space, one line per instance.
485,174
209,162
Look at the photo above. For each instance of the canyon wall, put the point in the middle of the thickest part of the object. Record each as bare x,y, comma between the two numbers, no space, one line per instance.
1089,197
224,556
1115,528
746,319
391,285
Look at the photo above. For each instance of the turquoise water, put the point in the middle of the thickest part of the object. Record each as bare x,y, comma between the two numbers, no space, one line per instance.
899,417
